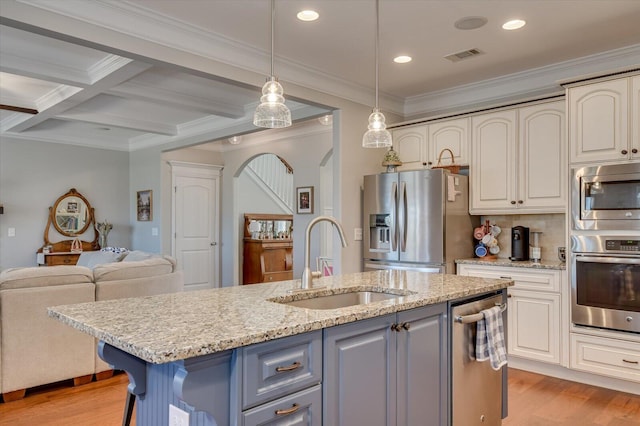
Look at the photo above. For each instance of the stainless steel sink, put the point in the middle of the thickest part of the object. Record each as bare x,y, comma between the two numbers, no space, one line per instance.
342,300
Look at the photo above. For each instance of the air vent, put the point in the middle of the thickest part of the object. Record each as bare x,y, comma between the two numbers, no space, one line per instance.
465,54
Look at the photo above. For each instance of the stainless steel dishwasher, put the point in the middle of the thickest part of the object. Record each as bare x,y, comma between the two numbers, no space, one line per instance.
477,389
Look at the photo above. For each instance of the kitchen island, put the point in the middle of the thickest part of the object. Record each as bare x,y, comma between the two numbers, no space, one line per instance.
226,355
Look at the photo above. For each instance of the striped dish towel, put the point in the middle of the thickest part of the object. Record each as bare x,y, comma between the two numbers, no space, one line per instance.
490,338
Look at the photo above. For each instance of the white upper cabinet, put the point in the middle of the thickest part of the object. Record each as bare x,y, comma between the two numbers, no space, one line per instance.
450,134
493,166
542,182
518,161
419,146
411,145
604,121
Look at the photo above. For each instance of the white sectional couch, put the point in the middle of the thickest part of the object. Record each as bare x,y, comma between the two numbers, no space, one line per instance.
35,349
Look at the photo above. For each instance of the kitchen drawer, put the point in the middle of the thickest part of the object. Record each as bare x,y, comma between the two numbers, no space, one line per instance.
609,357
280,367
301,408
61,259
524,279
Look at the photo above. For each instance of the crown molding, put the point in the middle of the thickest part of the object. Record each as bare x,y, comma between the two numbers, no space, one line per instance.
531,83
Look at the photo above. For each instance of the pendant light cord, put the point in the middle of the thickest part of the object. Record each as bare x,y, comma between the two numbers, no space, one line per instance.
273,18
377,47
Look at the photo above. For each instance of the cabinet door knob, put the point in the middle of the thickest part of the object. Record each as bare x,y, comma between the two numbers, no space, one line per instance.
395,327
624,152
634,151
513,201
520,201
406,325
213,244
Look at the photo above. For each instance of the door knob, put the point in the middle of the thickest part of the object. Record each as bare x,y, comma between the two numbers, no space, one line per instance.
213,244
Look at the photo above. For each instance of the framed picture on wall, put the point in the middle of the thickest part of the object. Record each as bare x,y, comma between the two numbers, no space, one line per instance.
304,199
145,205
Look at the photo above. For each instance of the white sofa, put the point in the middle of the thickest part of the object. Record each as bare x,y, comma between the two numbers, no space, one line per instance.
35,349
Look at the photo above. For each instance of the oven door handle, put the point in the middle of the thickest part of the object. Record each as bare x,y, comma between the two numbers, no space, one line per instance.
609,259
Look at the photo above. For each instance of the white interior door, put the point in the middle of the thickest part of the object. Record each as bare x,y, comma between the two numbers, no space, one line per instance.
196,223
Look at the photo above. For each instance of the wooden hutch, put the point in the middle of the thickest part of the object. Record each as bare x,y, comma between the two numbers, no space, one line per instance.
268,248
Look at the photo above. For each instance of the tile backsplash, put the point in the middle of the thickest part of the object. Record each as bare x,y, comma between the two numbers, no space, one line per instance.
552,226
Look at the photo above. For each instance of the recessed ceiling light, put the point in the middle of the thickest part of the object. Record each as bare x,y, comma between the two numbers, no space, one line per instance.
470,22
308,15
402,59
513,24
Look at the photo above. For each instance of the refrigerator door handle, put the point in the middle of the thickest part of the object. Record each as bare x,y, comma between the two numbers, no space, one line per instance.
394,234
402,216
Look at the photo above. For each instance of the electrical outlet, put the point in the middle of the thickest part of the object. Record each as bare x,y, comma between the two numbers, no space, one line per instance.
178,417
154,232
11,232
562,254
357,234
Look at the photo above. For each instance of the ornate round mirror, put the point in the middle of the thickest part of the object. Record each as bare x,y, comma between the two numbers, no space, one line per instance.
71,214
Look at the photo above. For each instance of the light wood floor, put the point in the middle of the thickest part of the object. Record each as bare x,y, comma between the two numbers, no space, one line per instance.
534,400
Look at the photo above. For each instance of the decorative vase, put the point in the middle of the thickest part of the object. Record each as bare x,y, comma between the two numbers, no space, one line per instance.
103,230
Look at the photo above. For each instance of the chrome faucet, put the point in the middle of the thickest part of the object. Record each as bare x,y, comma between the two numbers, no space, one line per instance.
307,275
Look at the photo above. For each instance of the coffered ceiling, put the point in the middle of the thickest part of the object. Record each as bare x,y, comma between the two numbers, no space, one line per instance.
92,97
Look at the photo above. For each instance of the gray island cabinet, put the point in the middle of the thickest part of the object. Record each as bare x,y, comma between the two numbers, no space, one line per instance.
240,356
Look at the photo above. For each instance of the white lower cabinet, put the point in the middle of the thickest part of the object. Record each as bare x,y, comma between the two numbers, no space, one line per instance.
533,315
386,371
607,357
534,325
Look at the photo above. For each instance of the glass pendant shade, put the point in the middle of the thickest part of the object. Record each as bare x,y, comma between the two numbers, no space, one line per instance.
272,113
377,136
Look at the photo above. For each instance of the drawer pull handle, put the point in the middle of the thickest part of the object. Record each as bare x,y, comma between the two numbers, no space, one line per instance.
629,362
505,278
293,409
291,367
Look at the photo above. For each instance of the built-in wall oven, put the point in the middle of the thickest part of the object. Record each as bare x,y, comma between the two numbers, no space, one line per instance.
606,197
605,283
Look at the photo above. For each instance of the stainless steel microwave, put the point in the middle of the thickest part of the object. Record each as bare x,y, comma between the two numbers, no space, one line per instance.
606,197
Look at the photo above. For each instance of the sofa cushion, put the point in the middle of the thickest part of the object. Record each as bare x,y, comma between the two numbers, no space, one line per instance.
131,270
136,255
38,276
91,259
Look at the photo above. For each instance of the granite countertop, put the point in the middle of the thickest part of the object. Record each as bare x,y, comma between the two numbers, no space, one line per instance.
176,326
545,264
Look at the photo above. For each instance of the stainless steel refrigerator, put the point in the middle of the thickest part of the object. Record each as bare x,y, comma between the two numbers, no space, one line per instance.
417,220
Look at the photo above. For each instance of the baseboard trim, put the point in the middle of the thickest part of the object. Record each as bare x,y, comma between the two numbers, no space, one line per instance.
574,376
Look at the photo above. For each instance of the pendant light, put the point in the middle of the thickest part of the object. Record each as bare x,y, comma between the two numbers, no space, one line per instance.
272,113
377,136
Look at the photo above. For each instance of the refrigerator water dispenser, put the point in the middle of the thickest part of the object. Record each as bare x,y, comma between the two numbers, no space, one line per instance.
379,232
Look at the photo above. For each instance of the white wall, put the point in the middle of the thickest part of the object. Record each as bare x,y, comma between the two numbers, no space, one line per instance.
304,151
32,177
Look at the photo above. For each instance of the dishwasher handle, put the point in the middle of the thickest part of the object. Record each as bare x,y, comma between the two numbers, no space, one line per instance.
468,319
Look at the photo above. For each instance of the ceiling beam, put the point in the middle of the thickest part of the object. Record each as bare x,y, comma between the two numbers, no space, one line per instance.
155,94
110,120
125,72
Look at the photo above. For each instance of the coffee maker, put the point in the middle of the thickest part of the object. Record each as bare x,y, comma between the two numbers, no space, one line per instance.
519,243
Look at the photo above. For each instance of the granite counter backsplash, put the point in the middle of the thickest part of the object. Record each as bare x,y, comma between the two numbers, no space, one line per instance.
171,327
